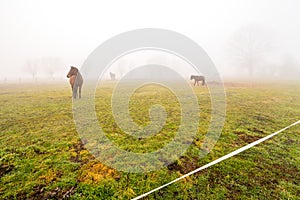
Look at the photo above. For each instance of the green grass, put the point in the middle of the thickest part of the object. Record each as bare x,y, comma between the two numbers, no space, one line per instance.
41,154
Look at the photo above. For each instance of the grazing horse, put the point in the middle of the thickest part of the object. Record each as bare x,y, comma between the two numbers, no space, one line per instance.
197,79
112,76
76,81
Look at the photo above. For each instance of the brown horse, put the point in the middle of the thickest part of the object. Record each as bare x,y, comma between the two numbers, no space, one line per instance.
197,79
76,81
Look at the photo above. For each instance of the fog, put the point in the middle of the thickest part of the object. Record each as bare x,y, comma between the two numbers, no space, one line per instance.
245,39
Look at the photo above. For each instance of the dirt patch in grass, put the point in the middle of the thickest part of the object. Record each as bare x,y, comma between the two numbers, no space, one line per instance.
184,165
243,138
77,148
79,154
248,138
5,168
255,130
57,193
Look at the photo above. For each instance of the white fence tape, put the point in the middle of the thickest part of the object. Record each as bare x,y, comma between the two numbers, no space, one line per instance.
218,160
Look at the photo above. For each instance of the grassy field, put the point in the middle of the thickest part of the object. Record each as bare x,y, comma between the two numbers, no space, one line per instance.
42,156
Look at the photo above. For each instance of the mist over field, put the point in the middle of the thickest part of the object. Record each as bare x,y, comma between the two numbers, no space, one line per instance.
39,40
149,114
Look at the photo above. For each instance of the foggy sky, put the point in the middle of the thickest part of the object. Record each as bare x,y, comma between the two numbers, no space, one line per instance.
71,30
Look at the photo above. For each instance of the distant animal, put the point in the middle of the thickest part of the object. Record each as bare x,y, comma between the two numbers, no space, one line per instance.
76,81
197,79
112,76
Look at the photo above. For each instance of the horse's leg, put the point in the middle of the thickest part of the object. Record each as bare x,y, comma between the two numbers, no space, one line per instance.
195,83
72,86
75,92
79,91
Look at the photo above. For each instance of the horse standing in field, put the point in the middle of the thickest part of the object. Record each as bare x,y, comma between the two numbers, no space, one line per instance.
112,76
76,81
198,79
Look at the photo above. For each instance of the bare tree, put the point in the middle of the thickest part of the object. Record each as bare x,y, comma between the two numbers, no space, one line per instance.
32,68
248,47
51,65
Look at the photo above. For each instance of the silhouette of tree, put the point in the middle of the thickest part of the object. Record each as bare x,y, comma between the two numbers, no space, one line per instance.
32,68
249,46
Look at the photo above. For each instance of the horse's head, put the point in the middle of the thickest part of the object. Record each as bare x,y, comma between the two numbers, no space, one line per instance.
73,72
192,76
